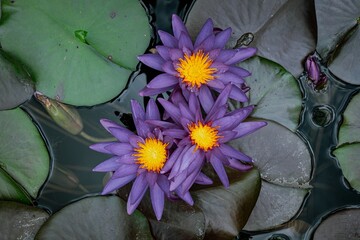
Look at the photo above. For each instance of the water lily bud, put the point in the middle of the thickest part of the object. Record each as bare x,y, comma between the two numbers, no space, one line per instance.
63,115
312,69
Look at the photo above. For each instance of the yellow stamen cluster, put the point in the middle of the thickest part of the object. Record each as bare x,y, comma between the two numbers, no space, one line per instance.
203,136
195,69
151,155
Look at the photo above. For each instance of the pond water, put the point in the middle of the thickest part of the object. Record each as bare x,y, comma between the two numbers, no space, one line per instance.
72,161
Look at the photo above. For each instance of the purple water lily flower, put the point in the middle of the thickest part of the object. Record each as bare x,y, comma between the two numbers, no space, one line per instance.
201,140
198,66
314,73
139,157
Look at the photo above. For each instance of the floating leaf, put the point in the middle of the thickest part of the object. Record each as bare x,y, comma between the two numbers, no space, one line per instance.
282,37
285,165
274,91
15,84
276,205
24,159
21,221
350,128
67,64
335,21
96,218
348,157
342,225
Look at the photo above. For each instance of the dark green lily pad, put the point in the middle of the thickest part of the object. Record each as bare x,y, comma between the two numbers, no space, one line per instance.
75,59
335,21
274,91
350,128
96,218
348,157
282,37
15,84
342,225
218,213
276,205
285,166
24,160
21,221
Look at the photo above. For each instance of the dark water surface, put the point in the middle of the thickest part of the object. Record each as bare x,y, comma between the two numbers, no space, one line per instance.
72,160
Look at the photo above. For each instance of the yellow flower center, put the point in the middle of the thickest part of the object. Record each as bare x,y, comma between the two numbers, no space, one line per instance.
195,69
203,136
151,155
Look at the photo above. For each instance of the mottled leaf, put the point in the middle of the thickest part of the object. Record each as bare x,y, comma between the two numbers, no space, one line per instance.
21,221
23,154
15,84
348,157
276,205
274,91
282,37
342,225
75,59
350,128
335,20
96,218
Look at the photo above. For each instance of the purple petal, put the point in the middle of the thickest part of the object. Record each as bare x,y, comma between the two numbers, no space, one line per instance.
194,105
162,124
220,67
101,147
178,26
227,136
157,200
225,55
207,44
122,134
154,61
108,166
221,100
163,80
179,179
137,111
222,38
176,96
175,133
217,84
241,54
106,123
168,67
185,41
167,39
126,159
229,77
185,112
119,148
171,160
152,111
164,184
117,183
236,164
138,188
219,169
206,98
202,179
233,153
153,91
171,109
125,170
176,167
233,119
186,197
135,140
151,178
239,71
163,52
242,113
189,181
246,128
238,94
205,31
189,157
176,54
214,53
185,122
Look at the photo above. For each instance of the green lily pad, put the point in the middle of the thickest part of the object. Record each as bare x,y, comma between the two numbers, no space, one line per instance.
96,218
348,157
15,84
75,59
335,21
282,37
342,225
274,91
22,222
24,160
285,166
350,128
